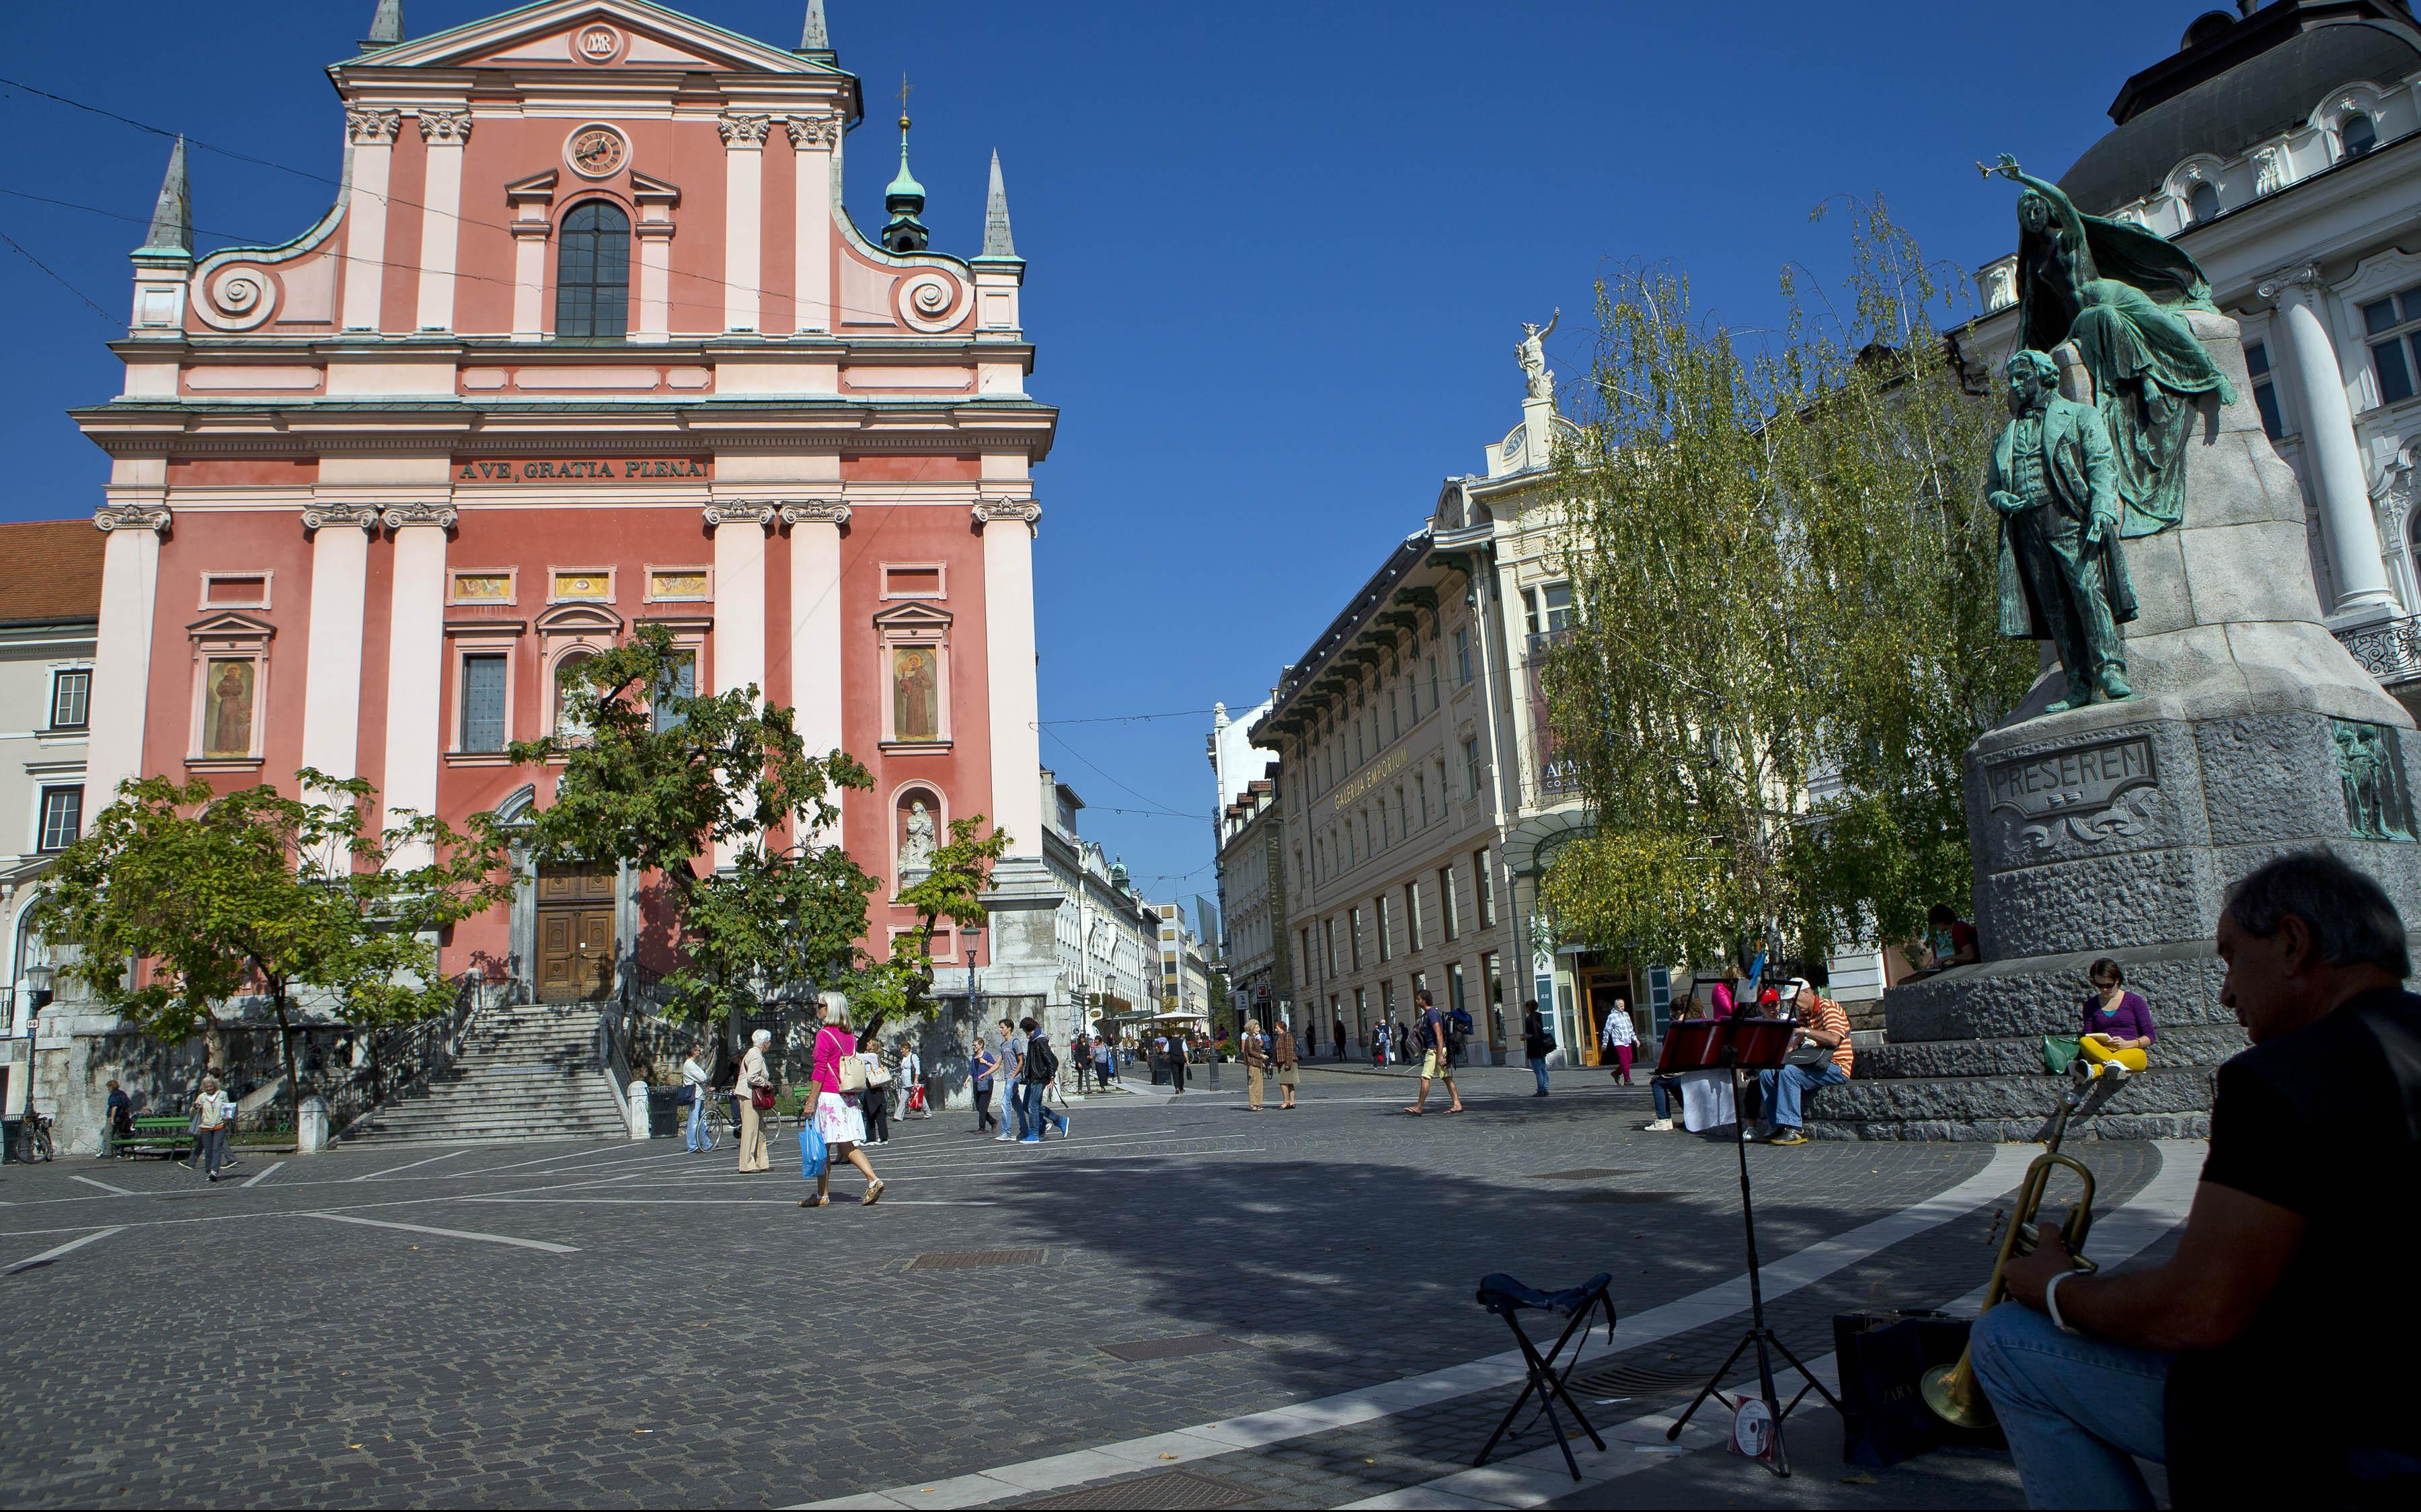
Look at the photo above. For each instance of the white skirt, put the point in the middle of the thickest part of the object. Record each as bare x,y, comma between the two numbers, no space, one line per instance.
838,1120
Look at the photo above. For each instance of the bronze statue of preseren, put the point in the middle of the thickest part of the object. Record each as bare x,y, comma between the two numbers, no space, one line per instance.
2062,573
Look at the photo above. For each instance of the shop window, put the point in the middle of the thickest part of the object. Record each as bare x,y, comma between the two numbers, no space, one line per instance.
2391,324
592,275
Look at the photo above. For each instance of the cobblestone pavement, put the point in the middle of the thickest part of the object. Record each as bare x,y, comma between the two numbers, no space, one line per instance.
628,1325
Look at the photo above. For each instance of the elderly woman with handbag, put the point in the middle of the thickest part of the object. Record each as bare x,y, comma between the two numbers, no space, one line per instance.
754,1088
1255,1066
839,1091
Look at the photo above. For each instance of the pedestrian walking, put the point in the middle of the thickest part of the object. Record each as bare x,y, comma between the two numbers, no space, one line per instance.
209,1120
840,1119
1080,1049
1255,1066
119,1118
1338,1038
912,1101
1622,1038
1040,1068
876,1105
984,1066
1282,1055
696,1086
1105,1063
1535,1043
1011,1073
1437,1061
1378,1048
1179,1061
754,1086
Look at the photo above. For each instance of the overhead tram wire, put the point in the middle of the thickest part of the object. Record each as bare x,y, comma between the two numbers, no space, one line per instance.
391,201
14,246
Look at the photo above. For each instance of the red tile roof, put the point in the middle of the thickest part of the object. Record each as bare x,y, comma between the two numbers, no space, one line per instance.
50,570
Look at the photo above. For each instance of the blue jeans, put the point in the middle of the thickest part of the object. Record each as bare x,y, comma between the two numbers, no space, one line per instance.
1784,1088
696,1133
2078,1412
1031,1115
1665,1089
1539,1070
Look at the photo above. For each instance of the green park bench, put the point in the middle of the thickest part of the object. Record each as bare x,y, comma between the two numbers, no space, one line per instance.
163,1134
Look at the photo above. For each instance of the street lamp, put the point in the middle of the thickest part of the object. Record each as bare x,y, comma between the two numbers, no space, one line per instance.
37,980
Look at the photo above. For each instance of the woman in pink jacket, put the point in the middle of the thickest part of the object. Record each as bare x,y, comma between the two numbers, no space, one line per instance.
838,1118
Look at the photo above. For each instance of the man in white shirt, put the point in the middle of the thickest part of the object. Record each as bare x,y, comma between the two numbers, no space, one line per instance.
694,1077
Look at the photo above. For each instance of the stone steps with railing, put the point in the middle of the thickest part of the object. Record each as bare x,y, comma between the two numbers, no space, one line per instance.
523,1071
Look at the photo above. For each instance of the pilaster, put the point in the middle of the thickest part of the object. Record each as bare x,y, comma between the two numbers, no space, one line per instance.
743,217
739,644
416,662
332,682
815,526
121,678
813,140
372,136
441,213
1009,527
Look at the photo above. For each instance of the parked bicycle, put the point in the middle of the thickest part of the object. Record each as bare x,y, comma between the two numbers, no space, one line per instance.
33,1138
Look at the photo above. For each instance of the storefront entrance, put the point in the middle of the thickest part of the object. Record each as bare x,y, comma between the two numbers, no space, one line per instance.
576,948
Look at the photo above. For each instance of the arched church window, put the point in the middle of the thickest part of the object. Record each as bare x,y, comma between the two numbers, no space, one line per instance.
592,273
2358,133
2202,202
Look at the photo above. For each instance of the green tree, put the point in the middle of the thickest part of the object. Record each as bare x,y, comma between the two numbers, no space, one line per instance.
178,900
657,776
1783,569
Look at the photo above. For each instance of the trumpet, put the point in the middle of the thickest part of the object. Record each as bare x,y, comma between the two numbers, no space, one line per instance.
1950,1390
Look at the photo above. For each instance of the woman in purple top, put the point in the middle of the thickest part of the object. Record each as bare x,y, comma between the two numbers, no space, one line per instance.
2117,1023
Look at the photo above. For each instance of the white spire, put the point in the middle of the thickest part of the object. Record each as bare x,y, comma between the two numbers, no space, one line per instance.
996,242
387,25
815,36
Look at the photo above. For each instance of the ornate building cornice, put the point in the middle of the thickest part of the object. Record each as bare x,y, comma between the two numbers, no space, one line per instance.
739,511
394,517
321,516
365,127
822,511
813,131
151,517
740,130
444,126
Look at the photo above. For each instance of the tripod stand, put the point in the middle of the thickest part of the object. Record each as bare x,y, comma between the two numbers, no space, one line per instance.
1745,1047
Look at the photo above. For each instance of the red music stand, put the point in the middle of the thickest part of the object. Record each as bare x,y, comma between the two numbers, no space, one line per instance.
1736,1044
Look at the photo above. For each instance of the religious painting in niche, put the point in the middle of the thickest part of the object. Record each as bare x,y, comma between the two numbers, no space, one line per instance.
919,816
916,693
567,683
227,684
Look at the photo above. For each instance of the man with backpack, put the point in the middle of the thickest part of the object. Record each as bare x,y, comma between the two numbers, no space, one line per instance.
1042,1067
1437,1062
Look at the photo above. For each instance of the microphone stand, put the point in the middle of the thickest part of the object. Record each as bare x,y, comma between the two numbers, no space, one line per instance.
1758,1334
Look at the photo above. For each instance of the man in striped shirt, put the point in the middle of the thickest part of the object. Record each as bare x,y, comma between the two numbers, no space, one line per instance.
1822,1022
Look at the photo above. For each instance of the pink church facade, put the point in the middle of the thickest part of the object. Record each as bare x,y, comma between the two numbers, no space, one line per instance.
587,341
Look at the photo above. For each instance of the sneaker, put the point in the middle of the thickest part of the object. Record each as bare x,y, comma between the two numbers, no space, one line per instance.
1660,1126
1062,1126
1787,1136
1031,1139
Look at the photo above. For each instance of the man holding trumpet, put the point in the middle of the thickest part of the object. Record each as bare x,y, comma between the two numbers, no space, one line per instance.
2262,1362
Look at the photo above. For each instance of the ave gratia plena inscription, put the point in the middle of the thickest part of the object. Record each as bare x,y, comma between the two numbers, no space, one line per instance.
582,469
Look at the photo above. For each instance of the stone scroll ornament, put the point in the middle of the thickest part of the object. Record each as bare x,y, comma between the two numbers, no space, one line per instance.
2119,292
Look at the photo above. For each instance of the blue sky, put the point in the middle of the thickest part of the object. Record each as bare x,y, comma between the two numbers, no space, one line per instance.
1276,253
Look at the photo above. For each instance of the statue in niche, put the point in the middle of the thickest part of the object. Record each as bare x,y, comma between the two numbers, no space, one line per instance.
915,693
916,842
2367,757
1532,355
2053,481
2120,293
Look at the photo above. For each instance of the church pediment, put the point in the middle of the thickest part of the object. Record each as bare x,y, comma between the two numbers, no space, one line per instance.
229,626
910,616
592,34
578,617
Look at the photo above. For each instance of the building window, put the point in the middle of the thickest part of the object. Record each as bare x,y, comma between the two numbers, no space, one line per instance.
1387,932
2391,325
1413,913
2265,392
1395,728
2202,202
1421,787
1475,774
1461,655
1485,881
2358,135
235,590
1547,608
1403,812
62,817
1448,913
592,273
483,702
680,683
1328,930
71,698
1354,935
569,683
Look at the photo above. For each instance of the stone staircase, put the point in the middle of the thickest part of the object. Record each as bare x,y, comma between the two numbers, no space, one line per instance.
527,1071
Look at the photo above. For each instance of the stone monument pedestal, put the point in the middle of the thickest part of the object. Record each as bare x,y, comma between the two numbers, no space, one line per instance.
2115,829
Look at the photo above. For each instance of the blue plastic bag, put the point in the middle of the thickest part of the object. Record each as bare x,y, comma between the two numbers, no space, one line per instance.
812,1155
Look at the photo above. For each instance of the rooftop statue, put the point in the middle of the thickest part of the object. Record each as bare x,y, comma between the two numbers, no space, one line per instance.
2119,292
1532,354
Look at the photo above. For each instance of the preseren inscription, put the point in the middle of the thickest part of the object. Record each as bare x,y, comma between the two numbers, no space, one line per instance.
2070,782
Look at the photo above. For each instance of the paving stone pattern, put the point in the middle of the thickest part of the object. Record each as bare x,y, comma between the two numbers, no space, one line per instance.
711,1343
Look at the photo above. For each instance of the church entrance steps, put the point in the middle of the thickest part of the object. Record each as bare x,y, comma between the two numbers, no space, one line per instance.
527,1071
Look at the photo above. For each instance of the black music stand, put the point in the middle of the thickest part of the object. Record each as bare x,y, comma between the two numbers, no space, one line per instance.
1740,1045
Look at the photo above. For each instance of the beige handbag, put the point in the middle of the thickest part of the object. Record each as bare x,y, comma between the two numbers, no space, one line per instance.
853,1075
